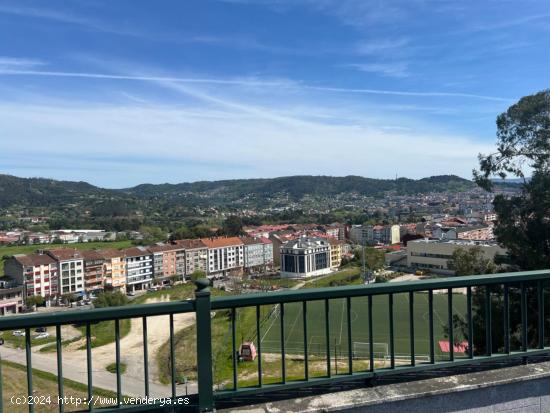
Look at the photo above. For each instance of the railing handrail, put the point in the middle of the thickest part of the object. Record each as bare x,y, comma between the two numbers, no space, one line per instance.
94,315
375,289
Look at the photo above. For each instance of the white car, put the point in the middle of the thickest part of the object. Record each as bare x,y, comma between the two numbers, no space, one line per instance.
42,335
18,333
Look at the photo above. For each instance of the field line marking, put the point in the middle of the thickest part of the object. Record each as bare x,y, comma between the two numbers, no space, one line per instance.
271,325
341,323
289,334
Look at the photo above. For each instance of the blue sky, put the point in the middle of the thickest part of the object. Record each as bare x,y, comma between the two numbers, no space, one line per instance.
124,92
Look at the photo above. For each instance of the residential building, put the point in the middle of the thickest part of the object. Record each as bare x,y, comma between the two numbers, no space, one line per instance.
268,252
11,296
139,268
165,261
37,273
70,264
225,256
258,254
336,252
377,234
305,257
194,254
434,255
114,269
93,270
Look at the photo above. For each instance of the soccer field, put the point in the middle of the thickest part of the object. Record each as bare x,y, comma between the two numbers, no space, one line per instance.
338,330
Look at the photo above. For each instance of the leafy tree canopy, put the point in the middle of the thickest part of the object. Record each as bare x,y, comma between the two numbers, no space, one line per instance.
523,145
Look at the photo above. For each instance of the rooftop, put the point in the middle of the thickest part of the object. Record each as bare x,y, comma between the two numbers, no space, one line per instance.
34,260
219,242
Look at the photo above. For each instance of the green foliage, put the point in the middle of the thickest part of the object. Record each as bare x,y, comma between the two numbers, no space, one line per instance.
152,234
471,261
111,368
523,142
195,275
232,226
110,299
34,300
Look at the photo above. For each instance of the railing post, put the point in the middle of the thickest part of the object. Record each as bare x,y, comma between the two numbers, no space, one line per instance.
204,345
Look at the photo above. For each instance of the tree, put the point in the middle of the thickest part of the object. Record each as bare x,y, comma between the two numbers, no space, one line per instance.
34,300
110,299
195,275
523,145
232,226
471,261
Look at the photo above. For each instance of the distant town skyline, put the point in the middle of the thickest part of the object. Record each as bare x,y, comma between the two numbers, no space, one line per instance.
123,93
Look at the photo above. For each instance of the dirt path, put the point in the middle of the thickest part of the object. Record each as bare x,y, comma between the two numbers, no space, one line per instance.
131,349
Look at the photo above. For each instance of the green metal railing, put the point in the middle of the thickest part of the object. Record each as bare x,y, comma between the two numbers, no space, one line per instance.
516,318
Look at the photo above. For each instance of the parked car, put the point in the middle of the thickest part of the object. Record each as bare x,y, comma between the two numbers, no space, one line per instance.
42,335
41,329
131,294
18,333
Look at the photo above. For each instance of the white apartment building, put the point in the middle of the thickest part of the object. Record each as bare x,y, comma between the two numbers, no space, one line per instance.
305,257
70,264
225,256
139,268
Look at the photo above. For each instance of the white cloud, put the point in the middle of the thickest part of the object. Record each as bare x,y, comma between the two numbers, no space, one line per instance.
19,63
393,69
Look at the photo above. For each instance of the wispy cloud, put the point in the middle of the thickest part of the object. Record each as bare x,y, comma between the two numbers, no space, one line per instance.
251,82
68,18
378,46
504,24
394,69
19,63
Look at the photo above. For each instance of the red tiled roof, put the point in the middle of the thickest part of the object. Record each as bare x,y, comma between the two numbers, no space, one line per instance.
164,248
92,255
111,253
34,260
135,252
219,242
190,244
64,254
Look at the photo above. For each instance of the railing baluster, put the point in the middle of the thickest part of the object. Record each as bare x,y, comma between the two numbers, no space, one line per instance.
523,317
1,388
431,325
470,322
89,364
392,343
488,321
283,356
327,336
350,355
60,389
117,362
306,352
172,356
411,327
259,346
506,319
540,291
450,321
145,357
234,345
29,367
371,338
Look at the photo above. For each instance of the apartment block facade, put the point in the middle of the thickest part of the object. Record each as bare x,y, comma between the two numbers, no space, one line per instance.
114,269
194,254
139,268
70,264
225,256
93,271
37,273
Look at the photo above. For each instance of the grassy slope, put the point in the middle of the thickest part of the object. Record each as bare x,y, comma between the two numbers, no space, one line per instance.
25,249
45,384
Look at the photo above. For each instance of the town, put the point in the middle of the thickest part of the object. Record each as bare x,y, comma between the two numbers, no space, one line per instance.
60,274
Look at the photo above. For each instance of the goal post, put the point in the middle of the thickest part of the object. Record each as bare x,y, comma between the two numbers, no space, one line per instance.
361,350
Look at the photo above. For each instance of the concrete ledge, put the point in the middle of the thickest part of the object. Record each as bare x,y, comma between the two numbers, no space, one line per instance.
510,389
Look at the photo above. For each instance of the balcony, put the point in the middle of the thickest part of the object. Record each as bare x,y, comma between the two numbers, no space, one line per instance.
451,324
